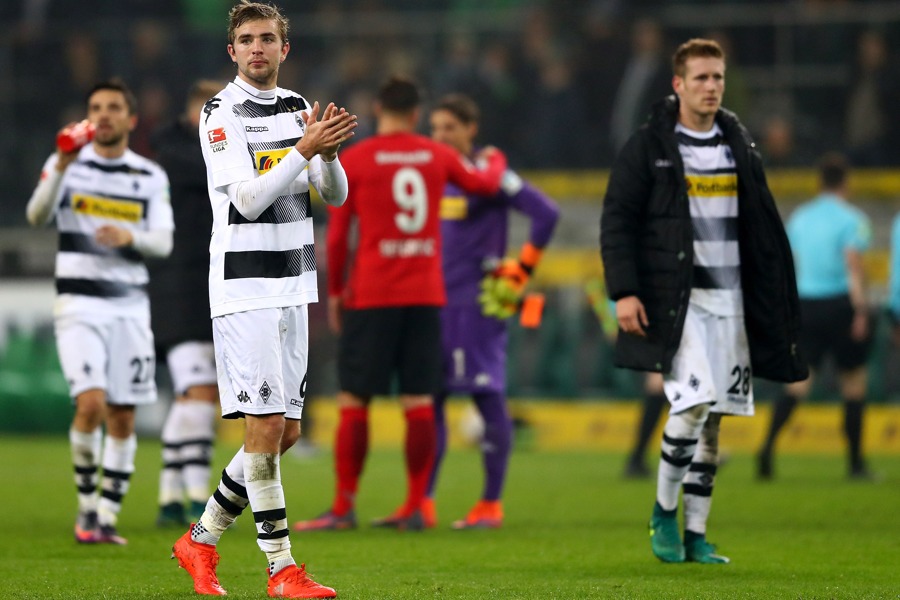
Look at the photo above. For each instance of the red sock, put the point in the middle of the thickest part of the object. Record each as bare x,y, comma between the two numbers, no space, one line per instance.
351,445
420,448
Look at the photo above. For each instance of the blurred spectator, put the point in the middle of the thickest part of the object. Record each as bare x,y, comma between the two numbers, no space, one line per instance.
870,126
778,145
647,78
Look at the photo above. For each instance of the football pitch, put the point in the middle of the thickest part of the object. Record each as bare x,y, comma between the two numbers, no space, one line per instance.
574,529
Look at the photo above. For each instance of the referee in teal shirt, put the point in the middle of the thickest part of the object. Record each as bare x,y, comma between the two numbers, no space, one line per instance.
828,237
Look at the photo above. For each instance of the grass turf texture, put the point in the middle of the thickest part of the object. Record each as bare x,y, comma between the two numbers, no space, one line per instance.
573,529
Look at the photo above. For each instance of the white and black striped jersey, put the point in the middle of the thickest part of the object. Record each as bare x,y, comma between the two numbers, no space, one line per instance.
270,261
131,192
712,187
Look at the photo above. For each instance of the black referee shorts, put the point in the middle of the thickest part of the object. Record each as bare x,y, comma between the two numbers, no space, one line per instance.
826,331
378,343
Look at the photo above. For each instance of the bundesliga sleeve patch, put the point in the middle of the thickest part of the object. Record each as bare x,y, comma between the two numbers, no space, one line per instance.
218,141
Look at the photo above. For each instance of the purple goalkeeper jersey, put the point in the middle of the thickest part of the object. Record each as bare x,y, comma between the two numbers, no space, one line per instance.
474,237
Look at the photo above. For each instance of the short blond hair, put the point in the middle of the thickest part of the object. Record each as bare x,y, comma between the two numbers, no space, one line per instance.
694,48
248,11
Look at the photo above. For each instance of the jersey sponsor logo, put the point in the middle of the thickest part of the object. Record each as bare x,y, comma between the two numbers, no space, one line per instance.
255,128
418,157
454,208
107,208
406,248
218,140
712,186
266,159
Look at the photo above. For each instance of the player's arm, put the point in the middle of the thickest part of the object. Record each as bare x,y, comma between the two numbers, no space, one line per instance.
329,179
43,202
853,255
157,240
484,182
629,188
339,220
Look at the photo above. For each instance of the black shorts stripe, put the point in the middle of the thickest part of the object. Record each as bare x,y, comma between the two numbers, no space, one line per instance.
717,278
270,264
275,514
682,461
678,441
697,490
112,496
121,475
99,288
225,503
86,470
81,242
274,535
233,486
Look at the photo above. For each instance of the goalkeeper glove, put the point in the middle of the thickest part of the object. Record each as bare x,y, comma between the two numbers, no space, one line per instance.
502,289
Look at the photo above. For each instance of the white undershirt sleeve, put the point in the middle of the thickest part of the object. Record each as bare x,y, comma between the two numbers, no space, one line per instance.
252,197
41,205
153,244
329,179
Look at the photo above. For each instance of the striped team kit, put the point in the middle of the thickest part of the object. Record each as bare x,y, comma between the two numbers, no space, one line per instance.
102,314
712,364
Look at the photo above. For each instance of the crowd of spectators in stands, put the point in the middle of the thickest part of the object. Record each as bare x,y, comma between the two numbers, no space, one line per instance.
558,81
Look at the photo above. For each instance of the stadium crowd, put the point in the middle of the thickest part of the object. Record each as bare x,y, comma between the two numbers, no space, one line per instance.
823,81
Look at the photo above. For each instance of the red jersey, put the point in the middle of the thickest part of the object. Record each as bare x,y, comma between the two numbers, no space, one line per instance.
396,182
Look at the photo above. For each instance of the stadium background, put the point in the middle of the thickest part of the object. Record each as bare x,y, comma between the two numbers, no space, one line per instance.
546,75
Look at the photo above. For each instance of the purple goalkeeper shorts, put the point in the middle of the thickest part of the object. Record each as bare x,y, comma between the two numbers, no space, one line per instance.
474,350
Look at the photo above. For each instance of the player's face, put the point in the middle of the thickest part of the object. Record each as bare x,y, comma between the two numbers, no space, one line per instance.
258,51
702,87
108,111
448,129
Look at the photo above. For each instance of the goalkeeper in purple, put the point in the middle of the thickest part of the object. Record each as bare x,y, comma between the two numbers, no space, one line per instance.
484,289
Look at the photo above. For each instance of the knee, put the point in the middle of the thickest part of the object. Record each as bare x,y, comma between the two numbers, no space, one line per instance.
290,436
697,415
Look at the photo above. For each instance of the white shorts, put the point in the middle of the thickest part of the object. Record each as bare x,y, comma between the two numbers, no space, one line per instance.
712,365
261,360
190,364
114,354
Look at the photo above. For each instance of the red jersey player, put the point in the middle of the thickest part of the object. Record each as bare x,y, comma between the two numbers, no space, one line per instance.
386,305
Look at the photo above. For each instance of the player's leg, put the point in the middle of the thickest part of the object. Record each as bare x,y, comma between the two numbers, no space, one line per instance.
853,384
651,410
495,450
420,378
82,355
697,489
782,410
429,512
187,435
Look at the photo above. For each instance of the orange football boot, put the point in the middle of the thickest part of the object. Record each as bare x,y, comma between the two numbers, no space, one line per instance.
487,514
200,561
293,582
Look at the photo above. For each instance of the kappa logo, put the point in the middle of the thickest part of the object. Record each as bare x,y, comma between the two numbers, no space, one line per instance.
662,163
243,397
265,392
255,128
297,403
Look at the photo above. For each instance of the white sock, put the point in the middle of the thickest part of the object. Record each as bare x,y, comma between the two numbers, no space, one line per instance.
118,465
699,480
679,443
267,501
196,447
85,458
171,488
225,505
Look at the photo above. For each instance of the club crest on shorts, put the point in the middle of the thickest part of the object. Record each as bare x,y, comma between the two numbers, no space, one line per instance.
265,392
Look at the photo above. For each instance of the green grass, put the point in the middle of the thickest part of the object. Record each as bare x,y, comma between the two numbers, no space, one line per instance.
573,529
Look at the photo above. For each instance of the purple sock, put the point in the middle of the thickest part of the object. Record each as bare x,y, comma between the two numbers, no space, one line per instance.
440,445
497,441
